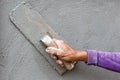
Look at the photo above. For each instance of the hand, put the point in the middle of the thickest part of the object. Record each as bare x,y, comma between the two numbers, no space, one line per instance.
66,53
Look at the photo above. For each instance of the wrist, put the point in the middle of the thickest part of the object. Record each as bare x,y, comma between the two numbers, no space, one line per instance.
82,55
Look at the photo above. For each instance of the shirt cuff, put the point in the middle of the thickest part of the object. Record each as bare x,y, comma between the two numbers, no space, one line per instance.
92,57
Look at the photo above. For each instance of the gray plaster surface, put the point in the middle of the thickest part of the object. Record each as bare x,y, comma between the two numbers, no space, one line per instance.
84,24
33,27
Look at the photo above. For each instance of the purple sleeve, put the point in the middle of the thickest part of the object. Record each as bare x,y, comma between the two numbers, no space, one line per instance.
108,60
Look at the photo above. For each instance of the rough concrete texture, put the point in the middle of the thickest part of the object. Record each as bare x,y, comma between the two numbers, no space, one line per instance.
84,24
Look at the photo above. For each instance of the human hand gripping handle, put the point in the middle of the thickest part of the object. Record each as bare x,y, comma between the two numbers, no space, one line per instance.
51,43
66,54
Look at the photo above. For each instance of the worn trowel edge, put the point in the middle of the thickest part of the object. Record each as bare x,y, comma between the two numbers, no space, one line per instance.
62,71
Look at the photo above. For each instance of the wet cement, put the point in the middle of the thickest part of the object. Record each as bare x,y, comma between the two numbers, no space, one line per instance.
84,24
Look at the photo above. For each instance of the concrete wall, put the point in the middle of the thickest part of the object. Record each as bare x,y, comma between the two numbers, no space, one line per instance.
84,24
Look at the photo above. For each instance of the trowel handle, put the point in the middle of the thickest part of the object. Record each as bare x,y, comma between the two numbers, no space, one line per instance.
48,41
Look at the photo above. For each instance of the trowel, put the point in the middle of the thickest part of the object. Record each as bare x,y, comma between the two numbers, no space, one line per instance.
35,29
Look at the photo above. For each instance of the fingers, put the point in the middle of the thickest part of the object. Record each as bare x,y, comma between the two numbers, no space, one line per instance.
60,63
54,51
51,50
54,56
